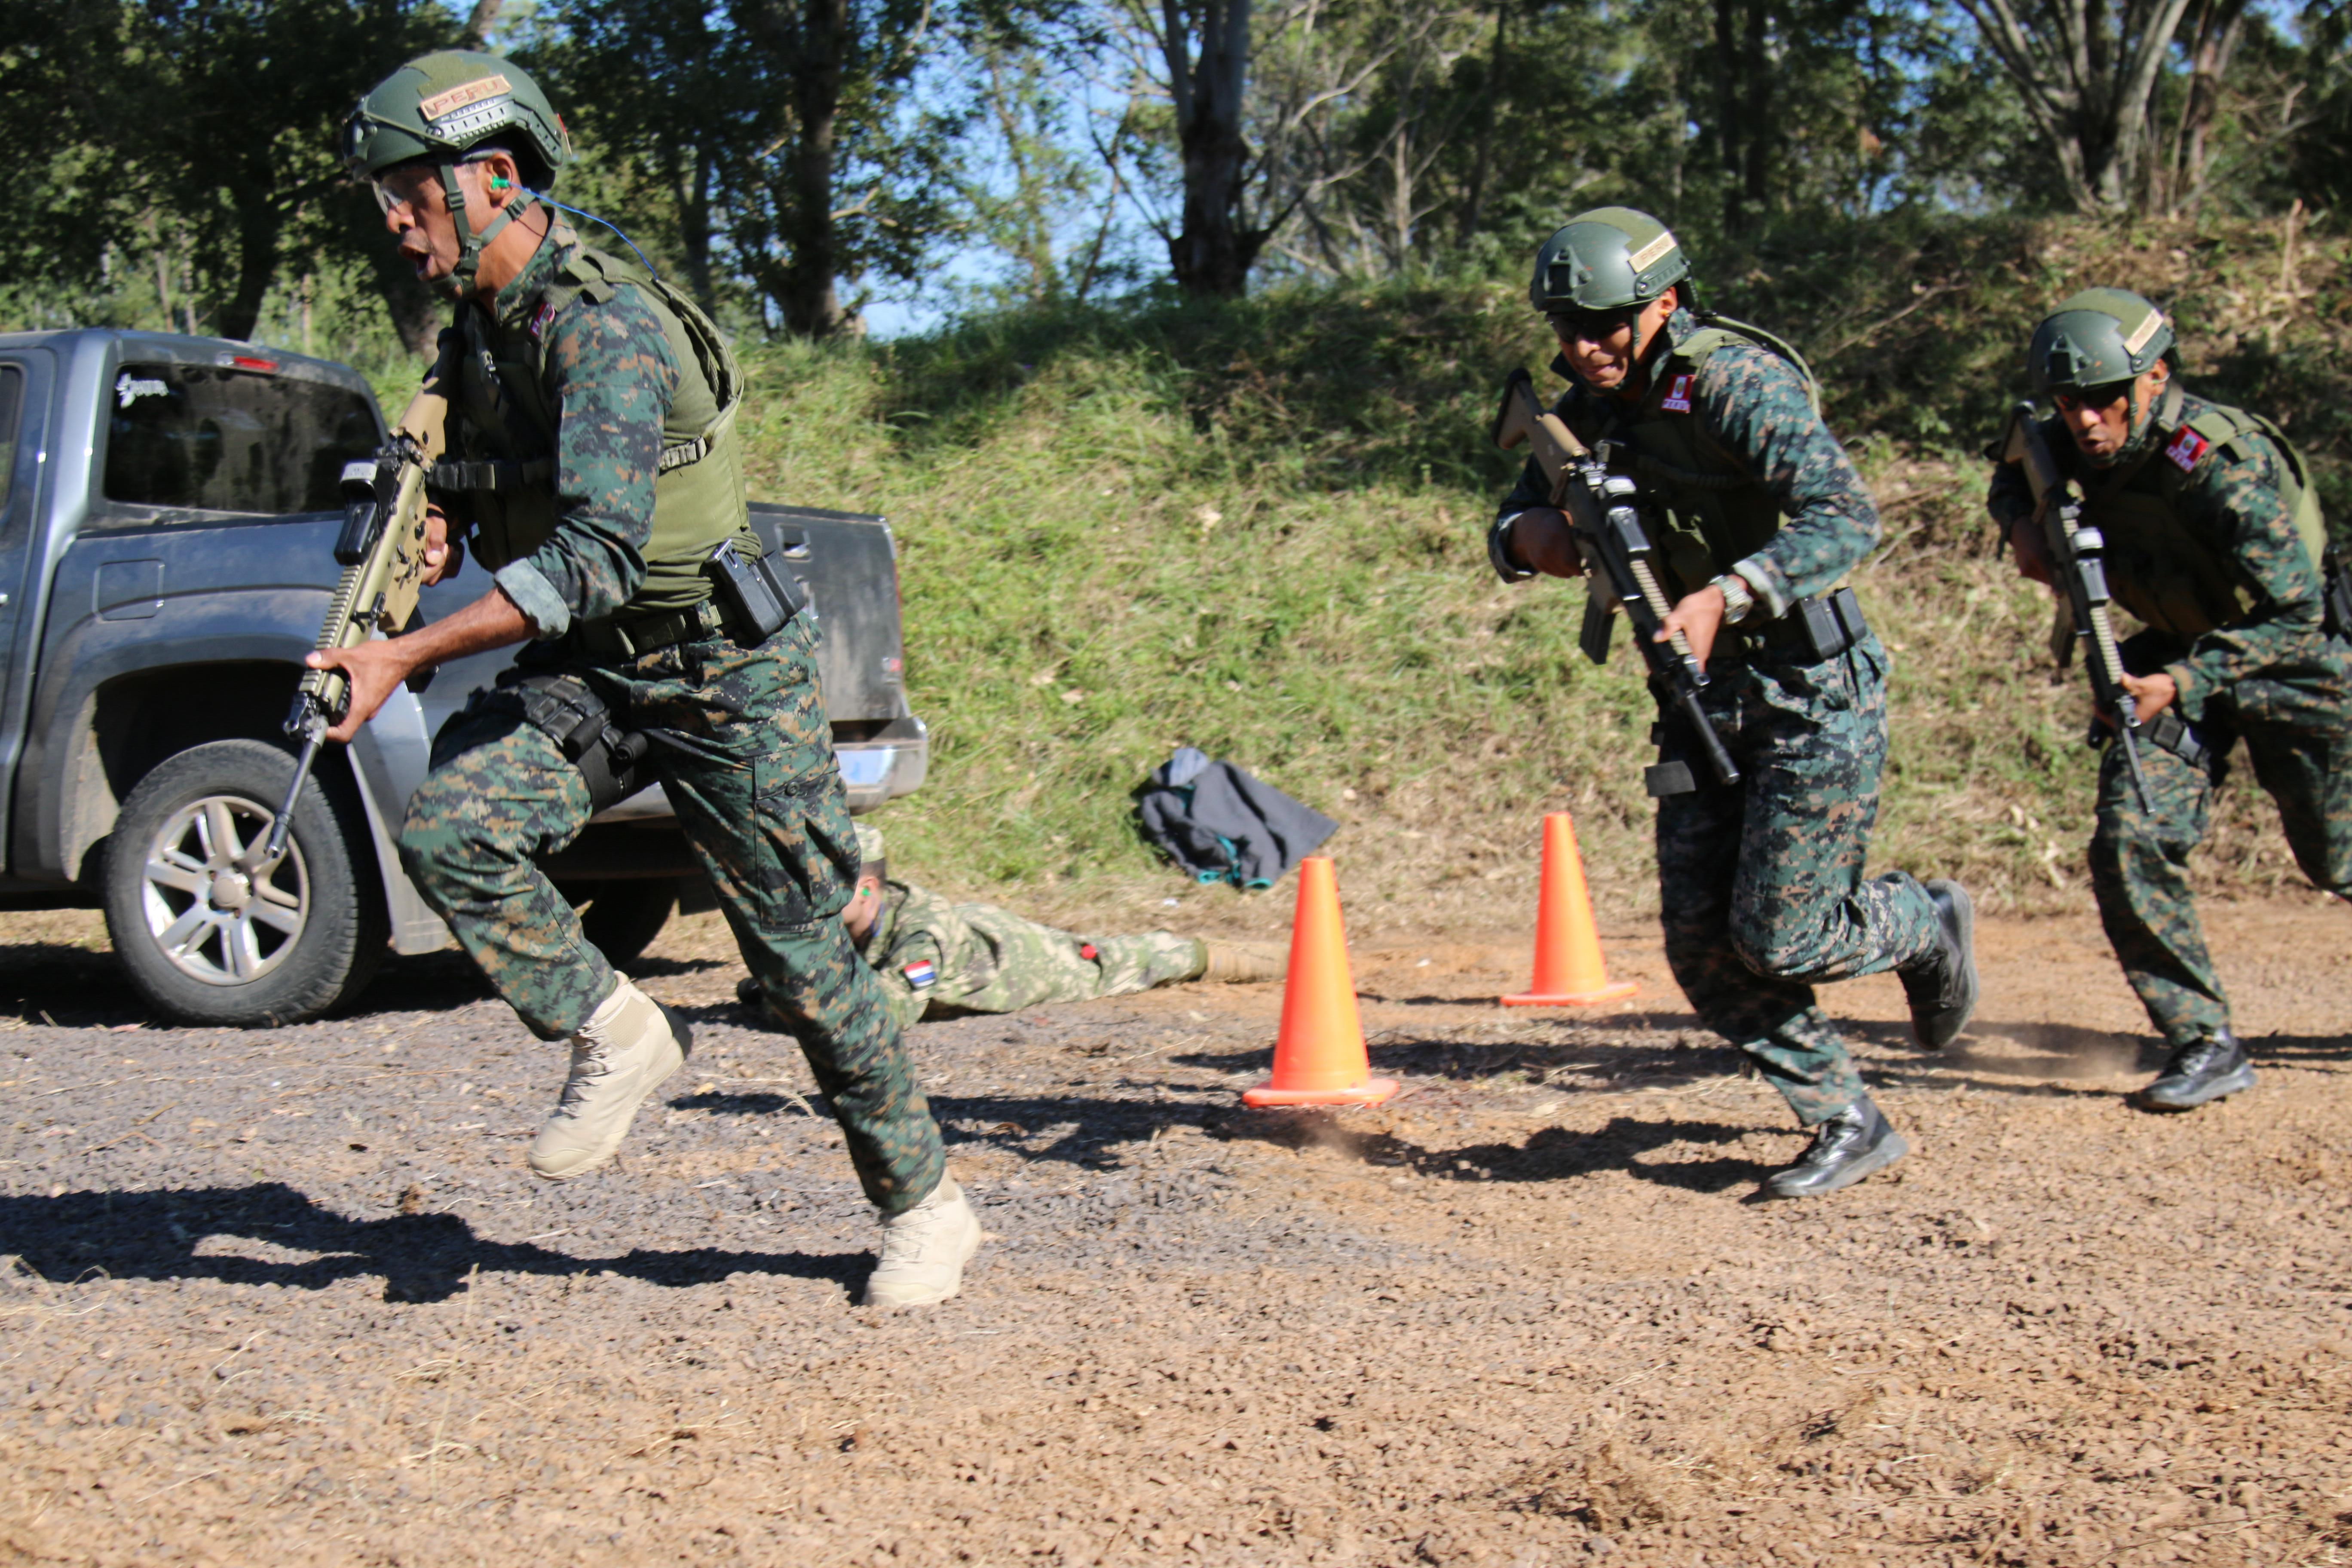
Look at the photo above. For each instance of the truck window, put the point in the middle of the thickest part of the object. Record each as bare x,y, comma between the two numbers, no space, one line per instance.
224,440
12,400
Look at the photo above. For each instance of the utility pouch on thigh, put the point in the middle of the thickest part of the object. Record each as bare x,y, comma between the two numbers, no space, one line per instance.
2167,730
568,712
1662,779
755,597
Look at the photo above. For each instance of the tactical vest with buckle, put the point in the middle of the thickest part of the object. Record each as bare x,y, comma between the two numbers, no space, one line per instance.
503,434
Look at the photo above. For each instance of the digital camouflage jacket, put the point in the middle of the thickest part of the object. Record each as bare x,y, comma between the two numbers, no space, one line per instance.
2198,535
1751,412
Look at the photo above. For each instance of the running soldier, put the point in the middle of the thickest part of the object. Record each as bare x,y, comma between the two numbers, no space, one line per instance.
2213,539
597,474
940,958
1758,516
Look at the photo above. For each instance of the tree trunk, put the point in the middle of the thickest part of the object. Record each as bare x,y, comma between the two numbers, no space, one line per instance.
259,222
807,39
2219,26
1756,66
2086,72
1727,114
478,26
1211,255
1474,194
694,228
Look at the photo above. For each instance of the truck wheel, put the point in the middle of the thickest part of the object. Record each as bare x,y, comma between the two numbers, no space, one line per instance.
625,914
208,943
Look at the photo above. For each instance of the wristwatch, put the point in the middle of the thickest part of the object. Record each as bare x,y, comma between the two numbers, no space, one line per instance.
1739,599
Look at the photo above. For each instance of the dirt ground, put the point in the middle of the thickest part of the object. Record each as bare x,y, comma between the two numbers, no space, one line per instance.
290,1296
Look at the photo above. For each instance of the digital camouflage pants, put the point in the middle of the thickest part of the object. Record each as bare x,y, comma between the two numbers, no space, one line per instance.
743,750
2299,740
1761,885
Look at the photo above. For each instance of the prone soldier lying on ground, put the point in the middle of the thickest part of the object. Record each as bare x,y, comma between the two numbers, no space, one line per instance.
940,959
2211,536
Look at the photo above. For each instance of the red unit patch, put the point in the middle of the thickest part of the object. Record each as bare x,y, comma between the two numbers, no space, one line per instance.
2186,448
1677,398
1088,951
540,317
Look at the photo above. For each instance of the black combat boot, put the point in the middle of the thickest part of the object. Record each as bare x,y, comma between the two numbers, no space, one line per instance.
2201,1070
1854,1143
1942,986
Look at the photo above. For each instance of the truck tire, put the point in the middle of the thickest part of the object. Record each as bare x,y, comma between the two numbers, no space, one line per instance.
202,943
625,914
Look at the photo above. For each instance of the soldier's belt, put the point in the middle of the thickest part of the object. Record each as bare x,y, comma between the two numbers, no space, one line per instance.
495,474
639,634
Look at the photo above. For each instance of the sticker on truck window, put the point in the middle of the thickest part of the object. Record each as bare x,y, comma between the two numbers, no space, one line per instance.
129,389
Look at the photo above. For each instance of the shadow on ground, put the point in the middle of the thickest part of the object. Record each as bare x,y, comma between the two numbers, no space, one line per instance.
421,1258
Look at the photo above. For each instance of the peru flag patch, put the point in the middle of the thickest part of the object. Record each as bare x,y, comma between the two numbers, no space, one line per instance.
922,974
539,320
2186,448
1678,399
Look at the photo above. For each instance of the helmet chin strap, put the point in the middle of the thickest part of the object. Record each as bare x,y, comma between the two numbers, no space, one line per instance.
460,283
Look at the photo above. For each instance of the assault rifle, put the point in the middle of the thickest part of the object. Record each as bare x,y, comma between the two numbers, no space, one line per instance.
1619,558
381,551
2081,575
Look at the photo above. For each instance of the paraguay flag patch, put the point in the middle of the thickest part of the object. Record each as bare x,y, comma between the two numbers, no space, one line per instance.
2186,448
922,974
1678,399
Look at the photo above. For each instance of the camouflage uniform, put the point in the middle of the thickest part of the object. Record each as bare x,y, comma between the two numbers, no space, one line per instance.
741,745
2235,620
1762,888
944,958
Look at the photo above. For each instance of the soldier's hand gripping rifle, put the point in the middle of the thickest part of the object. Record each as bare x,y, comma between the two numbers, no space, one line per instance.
1618,554
2081,574
381,551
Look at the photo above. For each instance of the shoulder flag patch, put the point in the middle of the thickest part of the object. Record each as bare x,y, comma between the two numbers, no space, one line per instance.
1678,399
2186,448
539,320
922,974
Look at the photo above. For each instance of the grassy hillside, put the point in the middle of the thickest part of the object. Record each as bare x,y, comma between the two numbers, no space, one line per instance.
1257,529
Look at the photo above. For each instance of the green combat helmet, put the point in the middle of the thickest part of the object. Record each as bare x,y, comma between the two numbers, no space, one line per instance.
1611,259
442,106
2100,337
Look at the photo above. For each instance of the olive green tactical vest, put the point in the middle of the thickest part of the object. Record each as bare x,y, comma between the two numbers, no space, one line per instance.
2172,577
1718,513
506,413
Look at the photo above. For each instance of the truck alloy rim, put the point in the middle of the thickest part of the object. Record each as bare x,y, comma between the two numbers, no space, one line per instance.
214,922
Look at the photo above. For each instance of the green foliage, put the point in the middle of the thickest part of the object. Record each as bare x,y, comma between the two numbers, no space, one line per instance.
1257,527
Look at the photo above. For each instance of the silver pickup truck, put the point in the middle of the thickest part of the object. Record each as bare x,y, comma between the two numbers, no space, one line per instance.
168,508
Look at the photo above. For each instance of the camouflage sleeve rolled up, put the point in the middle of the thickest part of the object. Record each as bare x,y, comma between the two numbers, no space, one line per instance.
1753,405
2236,502
613,375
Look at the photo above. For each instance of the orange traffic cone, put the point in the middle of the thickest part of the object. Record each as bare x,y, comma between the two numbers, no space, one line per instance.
1318,1057
1568,968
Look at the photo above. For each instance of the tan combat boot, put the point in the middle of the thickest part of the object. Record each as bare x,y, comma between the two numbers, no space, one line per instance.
1239,965
924,1250
628,1049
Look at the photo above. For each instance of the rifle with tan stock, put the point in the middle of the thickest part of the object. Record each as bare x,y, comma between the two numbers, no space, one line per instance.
1620,560
2081,574
381,551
